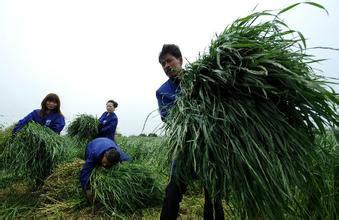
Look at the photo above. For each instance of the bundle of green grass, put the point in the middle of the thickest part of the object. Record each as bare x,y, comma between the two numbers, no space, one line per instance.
34,152
5,137
126,188
247,118
84,127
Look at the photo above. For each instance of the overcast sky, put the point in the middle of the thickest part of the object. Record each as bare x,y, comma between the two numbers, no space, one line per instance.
91,51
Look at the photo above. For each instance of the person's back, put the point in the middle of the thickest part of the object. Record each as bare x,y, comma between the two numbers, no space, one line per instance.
99,152
97,146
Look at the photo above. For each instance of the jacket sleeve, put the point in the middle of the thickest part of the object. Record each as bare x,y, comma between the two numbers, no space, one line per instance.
23,122
101,125
112,125
101,117
58,124
85,173
162,107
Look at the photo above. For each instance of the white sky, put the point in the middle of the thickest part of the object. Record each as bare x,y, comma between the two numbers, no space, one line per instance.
91,51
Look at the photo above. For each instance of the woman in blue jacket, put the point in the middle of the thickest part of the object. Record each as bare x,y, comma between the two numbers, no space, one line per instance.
108,121
49,115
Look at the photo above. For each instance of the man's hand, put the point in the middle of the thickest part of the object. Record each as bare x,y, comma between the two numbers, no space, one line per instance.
89,196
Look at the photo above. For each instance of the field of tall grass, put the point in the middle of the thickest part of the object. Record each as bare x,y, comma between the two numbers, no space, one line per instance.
61,194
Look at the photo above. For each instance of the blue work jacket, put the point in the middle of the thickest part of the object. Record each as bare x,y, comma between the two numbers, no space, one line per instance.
107,125
54,121
95,150
166,96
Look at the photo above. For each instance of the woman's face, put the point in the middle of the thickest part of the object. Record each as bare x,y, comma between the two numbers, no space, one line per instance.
110,107
51,105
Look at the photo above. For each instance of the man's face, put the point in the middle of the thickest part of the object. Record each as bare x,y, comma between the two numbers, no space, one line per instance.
105,163
171,65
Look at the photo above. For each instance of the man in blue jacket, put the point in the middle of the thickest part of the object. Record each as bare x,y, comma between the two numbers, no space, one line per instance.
171,61
99,152
108,121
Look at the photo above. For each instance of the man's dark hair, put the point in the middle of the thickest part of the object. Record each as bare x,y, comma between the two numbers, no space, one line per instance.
112,156
171,49
115,104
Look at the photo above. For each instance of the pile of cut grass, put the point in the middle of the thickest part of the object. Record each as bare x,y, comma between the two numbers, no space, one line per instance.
84,127
247,118
126,188
34,152
5,137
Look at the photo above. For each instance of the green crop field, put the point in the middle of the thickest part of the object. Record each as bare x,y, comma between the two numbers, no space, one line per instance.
61,194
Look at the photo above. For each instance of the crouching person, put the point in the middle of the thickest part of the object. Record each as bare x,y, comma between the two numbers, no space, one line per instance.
99,152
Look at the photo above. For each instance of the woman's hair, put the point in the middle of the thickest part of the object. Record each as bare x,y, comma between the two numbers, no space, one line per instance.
50,97
115,104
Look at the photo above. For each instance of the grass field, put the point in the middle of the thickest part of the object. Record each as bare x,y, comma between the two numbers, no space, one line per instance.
61,195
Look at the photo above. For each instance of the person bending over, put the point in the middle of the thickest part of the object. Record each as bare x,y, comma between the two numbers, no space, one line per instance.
99,152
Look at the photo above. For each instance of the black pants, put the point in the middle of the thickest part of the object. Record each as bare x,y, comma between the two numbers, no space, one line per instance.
173,197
